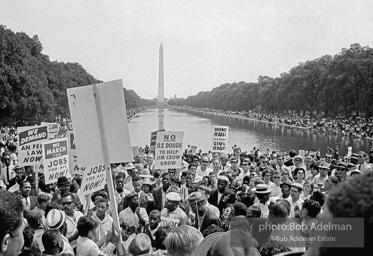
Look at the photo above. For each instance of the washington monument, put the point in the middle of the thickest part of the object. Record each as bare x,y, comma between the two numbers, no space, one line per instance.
161,78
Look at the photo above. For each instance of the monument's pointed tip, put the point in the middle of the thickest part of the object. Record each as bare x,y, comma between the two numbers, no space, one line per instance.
161,45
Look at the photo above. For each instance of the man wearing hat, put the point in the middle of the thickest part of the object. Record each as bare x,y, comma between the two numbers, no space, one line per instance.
222,196
363,166
132,172
263,194
133,215
57,219
204,217
285,192
205,191
296,201
234,169
341,171
352,170
224,164
137,183
323,174
172,210
63,185
353,159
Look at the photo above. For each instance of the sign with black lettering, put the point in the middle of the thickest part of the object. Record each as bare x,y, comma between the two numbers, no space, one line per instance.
153,140
169,222
52,129
220,139
30,140
56,160
94,179
169,150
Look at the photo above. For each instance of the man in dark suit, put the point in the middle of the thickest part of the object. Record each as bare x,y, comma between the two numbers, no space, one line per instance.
29,202
143,197
204,217
159,194
222,196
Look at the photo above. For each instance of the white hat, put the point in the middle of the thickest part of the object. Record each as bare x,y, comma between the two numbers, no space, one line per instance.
262,189
55,218
145,173
223,178
173,196
130,166
297,185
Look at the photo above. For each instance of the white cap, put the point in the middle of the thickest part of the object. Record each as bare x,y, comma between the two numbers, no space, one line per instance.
173,196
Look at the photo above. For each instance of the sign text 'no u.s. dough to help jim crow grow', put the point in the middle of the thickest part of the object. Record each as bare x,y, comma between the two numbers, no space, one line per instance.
169,150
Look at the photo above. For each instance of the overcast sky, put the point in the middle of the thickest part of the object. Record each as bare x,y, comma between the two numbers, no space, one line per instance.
206,42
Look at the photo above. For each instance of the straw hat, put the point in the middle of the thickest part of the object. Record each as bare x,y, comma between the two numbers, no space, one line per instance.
262,189
55,218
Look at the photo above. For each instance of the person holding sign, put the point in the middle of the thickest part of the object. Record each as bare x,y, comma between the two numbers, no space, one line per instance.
172,209
133,215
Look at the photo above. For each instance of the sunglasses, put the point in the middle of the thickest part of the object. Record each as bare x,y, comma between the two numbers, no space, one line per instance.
67,203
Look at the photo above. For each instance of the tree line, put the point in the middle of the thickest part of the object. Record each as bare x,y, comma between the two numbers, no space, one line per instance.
33,88
339,85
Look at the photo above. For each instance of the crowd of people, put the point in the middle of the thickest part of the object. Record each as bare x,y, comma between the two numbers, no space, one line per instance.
356,127
213,205
8,134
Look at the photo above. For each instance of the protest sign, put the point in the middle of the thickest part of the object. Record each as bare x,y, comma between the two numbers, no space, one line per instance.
30,140
73,156
169,222
55,160
52,129
93,180
169,150
101,109
153,140
302,153
98,108
349,151
220,139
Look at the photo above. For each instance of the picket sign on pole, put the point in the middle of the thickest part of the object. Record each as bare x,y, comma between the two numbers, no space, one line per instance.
99,107
109,178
